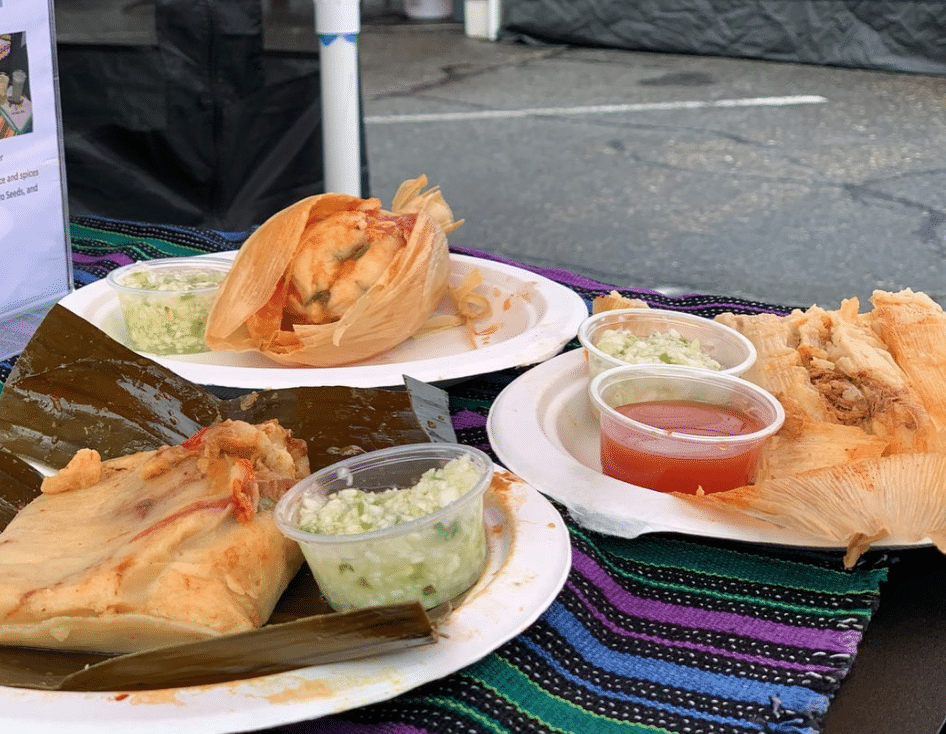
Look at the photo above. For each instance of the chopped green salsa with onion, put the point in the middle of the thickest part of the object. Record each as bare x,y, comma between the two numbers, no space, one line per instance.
166,310
353,510
428,562
667,347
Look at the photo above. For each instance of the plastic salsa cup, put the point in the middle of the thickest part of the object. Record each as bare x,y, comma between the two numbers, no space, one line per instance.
682,429
165,303
431,559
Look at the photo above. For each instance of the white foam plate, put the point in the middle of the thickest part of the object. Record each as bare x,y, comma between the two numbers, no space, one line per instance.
529,558
542,428
533,318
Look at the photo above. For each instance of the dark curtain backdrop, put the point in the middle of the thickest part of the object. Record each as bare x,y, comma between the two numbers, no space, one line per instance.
205,128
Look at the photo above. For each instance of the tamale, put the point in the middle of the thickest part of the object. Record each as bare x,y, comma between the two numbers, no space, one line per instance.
334,279
862,454
153,548
72,380
833,368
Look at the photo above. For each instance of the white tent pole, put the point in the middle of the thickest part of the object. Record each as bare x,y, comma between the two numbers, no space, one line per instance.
338,23
495,14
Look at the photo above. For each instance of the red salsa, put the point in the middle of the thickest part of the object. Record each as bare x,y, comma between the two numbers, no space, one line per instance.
713,467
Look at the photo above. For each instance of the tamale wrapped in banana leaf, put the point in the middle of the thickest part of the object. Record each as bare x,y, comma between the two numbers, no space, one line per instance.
75,388
302,631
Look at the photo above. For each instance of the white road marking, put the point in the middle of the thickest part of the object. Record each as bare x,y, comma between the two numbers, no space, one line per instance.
605,109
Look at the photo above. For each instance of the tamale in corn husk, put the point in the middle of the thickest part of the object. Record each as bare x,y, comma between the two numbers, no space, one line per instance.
334,279
862,454
855,504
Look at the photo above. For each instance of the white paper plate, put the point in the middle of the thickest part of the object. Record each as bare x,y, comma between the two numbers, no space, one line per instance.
542,429
533,318
528,562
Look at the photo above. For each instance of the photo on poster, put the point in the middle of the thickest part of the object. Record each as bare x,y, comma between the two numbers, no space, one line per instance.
16,106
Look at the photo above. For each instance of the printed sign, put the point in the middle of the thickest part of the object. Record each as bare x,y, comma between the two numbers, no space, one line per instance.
35,258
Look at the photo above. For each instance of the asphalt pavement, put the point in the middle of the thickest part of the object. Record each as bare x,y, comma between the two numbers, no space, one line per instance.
785,183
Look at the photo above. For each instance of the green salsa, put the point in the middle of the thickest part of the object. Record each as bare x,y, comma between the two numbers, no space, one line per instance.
427,562
356,511
166,309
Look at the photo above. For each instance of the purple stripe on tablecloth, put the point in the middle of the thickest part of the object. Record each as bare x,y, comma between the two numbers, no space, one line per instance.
683,644
468,419
562,276
742,306
760,629
116,257
574,280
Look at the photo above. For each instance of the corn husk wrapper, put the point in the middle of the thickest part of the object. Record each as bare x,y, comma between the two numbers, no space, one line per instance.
248,314
854,505
614,300
862,454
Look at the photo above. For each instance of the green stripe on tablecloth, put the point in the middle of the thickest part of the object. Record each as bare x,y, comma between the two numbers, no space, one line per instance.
750,567
107,241
496,674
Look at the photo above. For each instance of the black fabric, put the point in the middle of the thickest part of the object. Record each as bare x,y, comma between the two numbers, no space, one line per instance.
203,129
889,35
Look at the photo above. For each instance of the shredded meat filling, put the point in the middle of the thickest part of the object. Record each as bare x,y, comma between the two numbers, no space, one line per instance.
853,400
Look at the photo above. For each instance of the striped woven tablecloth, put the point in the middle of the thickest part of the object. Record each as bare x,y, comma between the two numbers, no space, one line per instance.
664,633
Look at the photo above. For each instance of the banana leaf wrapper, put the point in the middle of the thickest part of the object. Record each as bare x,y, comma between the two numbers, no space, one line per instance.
291,247
20,484
74,387
314,640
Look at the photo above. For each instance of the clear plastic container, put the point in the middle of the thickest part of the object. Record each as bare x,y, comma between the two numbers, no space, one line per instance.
165,303
430,559
734,352
692,431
